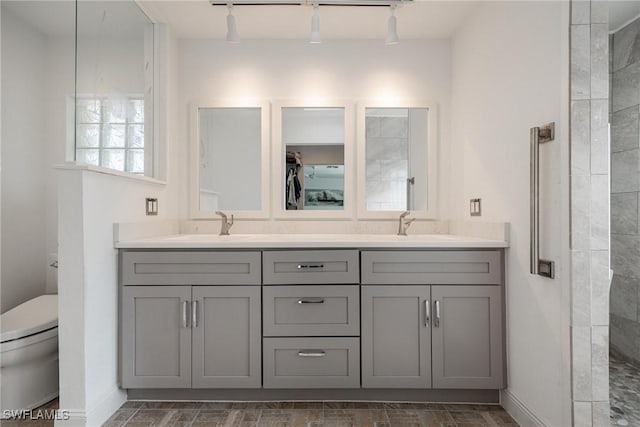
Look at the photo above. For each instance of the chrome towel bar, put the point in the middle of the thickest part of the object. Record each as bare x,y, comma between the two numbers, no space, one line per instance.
539,135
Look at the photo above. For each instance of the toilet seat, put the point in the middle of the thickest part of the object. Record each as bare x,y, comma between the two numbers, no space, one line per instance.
29,318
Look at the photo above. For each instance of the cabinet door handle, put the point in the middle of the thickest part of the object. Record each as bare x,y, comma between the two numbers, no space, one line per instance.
311,353
310,266
185,316
194,314
436,321
426,312
311,301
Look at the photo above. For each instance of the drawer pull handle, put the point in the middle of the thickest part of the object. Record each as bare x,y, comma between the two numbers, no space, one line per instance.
310,266
426,312
311,301
312,353
185,308
194,314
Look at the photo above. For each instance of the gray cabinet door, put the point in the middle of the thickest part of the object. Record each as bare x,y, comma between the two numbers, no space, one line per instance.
226,336
467,337
156,338
396,337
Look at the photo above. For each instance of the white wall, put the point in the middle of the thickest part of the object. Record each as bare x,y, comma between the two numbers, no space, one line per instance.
510,73
89,204
294,70
23,162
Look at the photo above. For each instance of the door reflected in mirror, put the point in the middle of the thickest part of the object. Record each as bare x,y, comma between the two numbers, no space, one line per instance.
313,141
396,159
230,175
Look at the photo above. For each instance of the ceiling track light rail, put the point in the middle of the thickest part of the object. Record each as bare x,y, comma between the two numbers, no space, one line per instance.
368,3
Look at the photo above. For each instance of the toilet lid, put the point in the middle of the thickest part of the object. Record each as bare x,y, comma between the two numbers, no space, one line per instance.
30,317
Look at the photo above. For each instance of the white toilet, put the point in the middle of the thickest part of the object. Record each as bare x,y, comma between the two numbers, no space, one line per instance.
29,353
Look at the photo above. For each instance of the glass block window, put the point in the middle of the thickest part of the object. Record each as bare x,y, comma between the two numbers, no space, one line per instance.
110,133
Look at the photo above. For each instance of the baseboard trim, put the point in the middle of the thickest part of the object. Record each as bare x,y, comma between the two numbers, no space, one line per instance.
97,415
76,418
109,404
519,411
410,395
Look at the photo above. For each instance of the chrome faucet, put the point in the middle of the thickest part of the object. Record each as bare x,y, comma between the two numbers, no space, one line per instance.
403,223
225,226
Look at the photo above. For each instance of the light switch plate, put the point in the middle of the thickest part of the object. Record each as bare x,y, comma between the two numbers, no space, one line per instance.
152,206
475,207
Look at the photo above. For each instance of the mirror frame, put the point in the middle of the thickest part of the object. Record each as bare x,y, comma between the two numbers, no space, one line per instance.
432,159
278,159
265,160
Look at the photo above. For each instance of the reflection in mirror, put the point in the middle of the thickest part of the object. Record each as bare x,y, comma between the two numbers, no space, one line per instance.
114,87
313,141
396,159
230,171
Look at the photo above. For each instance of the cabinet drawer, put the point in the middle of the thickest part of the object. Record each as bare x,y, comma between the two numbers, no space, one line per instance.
431,267
311,310
313,267
190,268
311,362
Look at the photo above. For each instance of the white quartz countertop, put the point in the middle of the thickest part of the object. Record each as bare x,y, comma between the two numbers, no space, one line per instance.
265,241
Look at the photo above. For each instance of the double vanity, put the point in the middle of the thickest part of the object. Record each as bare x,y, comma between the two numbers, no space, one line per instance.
380,317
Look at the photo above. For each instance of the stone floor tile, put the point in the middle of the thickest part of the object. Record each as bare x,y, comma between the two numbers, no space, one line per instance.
290,417
120,417
354,417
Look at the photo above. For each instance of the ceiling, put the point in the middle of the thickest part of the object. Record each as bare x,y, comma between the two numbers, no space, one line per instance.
422,19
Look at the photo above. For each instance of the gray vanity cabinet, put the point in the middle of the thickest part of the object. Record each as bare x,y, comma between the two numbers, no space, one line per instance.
396,337
467,346
156,340
191,337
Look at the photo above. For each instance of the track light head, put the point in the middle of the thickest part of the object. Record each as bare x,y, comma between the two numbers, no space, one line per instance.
392,28
315,26
232,32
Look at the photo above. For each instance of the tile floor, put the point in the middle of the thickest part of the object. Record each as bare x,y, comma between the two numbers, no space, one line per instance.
307,414
624,380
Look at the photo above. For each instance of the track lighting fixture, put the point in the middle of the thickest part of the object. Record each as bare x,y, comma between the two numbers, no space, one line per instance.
232,32
315,26
392,27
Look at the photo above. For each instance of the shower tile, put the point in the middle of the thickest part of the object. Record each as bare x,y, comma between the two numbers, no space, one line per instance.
626,46
600,287
624,213
599,137
625,125
580,213
599,61
580,61
582,415
624,171
625,336
394,127
580,12
600,212
600,363
600,12
624,296
581,289
626,87
601,411
580,138
626,253
581,362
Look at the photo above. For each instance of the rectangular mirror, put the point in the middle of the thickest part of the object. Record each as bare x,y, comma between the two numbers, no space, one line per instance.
397,158
229,164
312,146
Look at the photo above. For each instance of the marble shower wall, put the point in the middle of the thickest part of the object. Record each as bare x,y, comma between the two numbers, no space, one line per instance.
590,212
624,70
